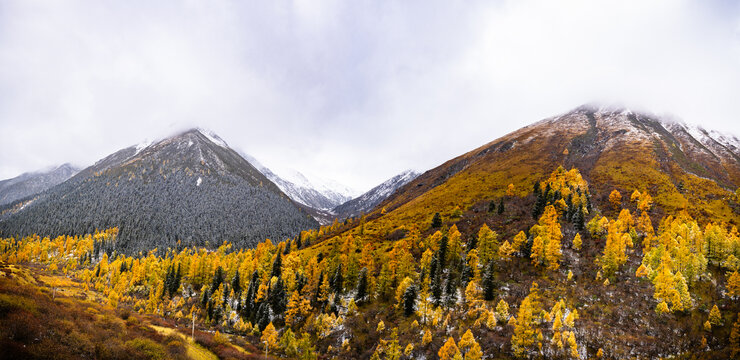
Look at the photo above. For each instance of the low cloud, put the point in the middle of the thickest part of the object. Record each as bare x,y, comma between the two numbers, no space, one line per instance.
356,91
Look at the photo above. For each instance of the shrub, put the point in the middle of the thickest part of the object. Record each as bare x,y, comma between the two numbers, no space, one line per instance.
148,348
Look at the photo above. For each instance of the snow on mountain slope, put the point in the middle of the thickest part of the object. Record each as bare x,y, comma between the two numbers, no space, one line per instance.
186,189
34,182
315,192
369,200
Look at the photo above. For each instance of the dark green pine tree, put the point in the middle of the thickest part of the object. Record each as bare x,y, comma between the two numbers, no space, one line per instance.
435,279
578,219
337,282
263,315
409,300
361,286
236,283
436,221
501,206
489,283
218,279
450,290
248,310
277,266
491,206
205,297
442,252
539,205
278,299
315,300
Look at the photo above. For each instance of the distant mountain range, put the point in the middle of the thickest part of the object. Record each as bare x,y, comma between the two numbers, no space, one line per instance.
190,187
34,182
369,200
319,194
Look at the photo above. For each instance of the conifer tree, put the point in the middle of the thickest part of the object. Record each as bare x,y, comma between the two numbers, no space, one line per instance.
505,251
733,284
337,283
293,310
436,221
524,332
553,254
361,286
577,242
735,337
715,317
466,342
538,251
615,198
501,206
236,283
218,279
519,239
489,283
409,300
449,350
487,244
269,337
277,266
502,310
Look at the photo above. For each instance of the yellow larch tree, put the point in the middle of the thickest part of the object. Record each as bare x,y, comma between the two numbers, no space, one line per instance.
577,242
505,251
269,337
449,350
733,284
615,198
715,316
518,240
487,244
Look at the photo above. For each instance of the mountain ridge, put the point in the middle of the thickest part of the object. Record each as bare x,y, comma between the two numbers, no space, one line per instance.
31,183
184,187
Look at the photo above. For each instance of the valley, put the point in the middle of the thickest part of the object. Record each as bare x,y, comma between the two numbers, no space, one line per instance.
598,233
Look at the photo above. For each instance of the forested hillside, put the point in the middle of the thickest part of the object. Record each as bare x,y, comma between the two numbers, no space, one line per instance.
591,235
190,189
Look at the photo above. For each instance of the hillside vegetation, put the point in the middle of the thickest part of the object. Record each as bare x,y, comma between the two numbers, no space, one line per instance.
595,234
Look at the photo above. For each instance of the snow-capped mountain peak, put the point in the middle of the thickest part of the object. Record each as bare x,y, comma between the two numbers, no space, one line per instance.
313,191
369,200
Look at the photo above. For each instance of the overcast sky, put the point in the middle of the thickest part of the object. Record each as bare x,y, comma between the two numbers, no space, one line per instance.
354,91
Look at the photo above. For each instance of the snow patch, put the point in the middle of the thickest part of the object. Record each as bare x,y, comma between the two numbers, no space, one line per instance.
143,145
213,137
199,181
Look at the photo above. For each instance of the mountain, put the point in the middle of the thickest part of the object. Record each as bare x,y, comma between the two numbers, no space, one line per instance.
369,200
190,187
690,175
32,183
316,193
684,167
600,233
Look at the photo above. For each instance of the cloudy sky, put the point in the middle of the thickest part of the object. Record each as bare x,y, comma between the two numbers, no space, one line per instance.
355,91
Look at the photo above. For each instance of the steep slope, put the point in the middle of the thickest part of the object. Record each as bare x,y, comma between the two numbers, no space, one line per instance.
190,187
317,194
34,182
369,200
613,148
691,181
